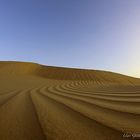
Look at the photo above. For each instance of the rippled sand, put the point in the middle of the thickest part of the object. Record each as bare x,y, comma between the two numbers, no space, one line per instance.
51,103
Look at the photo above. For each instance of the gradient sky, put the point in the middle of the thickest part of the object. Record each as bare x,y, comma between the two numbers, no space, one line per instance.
96,34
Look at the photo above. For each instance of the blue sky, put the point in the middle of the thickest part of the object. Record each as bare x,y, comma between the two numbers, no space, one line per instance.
95,34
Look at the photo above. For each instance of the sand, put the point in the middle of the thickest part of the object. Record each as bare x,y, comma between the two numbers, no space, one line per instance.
53,103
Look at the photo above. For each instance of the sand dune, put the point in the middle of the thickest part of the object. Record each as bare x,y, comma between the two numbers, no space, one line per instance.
52,103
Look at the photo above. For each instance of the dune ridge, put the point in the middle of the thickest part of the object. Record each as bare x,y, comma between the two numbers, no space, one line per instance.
62,73
40,102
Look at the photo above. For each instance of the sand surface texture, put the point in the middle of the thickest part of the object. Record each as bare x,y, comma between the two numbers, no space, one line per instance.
51,103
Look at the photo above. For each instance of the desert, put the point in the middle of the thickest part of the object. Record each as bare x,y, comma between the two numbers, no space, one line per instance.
40,102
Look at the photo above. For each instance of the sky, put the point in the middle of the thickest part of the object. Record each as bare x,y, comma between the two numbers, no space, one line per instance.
92,34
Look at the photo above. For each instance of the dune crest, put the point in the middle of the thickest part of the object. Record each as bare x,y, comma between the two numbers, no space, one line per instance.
40,102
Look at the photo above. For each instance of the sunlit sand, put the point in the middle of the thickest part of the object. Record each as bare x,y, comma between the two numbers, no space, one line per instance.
52,103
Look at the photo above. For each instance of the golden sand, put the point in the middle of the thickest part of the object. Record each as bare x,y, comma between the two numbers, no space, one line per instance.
52,103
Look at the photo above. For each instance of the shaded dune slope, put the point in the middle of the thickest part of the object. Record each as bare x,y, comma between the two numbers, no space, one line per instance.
42,102
60,73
